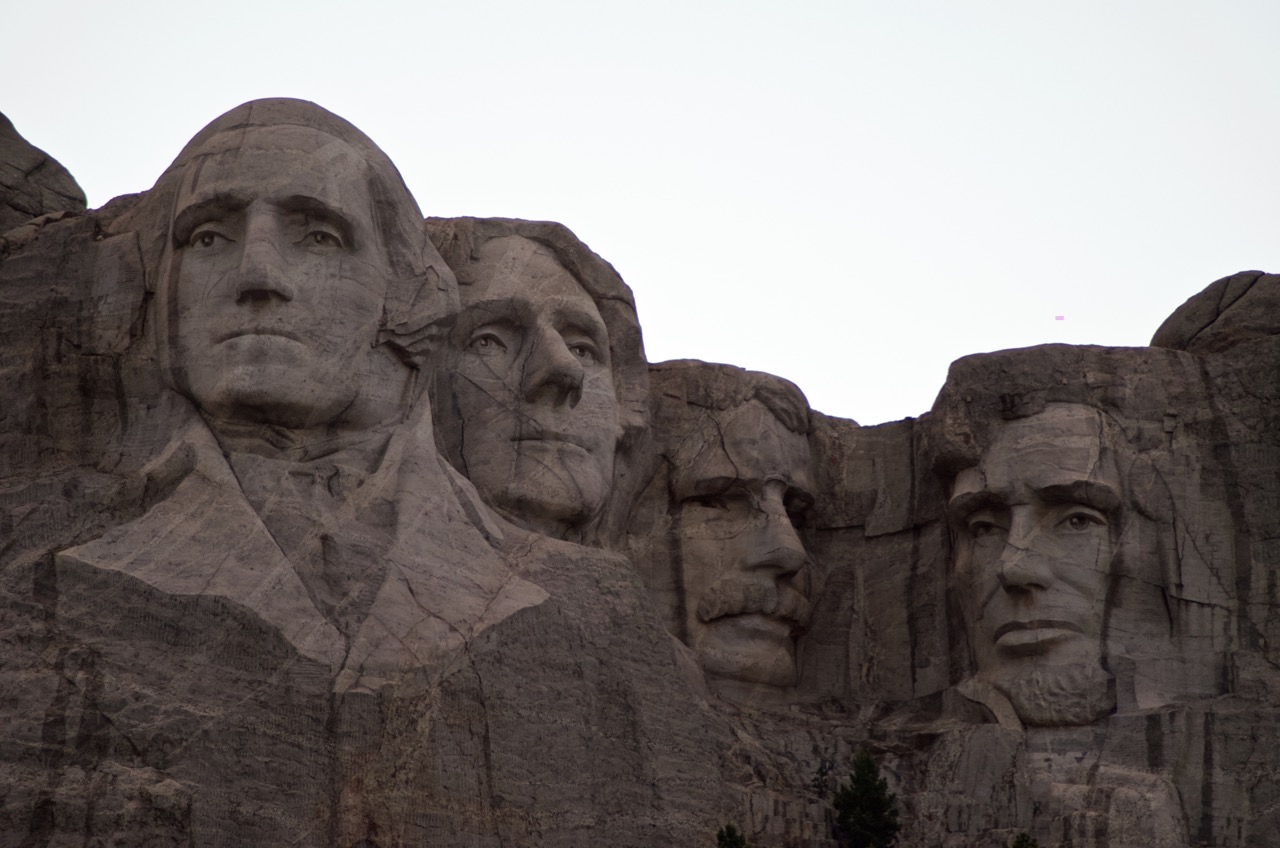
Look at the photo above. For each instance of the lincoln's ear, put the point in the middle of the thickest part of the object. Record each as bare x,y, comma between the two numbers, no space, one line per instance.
1149,489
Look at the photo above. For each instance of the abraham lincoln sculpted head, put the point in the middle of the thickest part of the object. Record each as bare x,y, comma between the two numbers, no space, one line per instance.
1090,550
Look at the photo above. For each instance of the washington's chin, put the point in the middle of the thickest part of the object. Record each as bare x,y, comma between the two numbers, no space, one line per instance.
751,648
252,393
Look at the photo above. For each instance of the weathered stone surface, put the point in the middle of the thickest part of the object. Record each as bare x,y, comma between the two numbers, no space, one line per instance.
32,183
321,524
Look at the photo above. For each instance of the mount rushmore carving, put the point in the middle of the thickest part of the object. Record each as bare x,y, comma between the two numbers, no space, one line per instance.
325,523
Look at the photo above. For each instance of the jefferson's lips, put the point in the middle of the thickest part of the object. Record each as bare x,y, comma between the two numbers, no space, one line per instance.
552,436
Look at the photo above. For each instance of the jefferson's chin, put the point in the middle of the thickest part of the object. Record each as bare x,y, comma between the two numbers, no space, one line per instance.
749,648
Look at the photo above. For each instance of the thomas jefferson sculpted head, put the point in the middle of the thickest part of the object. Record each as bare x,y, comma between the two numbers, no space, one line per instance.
296,287
542,396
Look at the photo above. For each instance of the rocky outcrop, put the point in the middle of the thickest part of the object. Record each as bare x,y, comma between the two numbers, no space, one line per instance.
32,184
323,525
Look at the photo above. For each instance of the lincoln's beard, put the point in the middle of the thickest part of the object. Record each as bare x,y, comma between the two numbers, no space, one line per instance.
1059,696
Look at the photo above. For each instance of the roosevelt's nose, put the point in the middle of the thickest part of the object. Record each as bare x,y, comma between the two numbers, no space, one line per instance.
263,272
552,373
773,543
1022,567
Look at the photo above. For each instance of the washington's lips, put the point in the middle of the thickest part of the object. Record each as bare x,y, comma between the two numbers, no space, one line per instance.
260,331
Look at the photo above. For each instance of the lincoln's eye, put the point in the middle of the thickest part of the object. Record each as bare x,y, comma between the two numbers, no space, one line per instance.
981,529
487,344
323,239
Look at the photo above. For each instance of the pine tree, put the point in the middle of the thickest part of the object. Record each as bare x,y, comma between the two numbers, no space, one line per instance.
1024,840
866,812
729,837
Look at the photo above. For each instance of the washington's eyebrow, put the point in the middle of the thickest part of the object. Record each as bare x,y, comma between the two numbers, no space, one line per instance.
315,207
205,209
1097,495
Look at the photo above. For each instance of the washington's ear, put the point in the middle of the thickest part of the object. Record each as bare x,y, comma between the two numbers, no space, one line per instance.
419,313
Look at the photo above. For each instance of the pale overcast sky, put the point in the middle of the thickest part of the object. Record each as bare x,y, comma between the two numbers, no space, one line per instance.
847,194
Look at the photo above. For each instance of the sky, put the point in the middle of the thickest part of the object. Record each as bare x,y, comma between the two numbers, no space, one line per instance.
847,194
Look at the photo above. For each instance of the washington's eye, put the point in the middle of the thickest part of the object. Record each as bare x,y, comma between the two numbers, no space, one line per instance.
322,239
487,344
206,238
1083,519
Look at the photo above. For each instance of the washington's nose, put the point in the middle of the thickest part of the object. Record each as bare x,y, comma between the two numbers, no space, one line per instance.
552,373
262,274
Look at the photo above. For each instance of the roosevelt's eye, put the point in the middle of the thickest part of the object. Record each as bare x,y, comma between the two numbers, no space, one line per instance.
584,351
486,344
1081,520
206,237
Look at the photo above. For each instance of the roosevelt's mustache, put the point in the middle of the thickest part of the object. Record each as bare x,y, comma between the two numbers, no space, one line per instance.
736,595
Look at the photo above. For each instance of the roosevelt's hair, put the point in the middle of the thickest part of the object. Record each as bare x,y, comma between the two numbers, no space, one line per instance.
719,387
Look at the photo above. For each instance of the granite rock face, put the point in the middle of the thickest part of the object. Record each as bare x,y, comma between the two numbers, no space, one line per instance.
322,524
31,183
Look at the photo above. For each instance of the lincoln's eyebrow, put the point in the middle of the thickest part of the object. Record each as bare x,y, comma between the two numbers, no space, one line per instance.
1090,492
966,503
204,209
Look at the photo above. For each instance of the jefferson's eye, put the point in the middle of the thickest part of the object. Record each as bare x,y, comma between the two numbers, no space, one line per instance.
323,238
585,352
1082,520
487,344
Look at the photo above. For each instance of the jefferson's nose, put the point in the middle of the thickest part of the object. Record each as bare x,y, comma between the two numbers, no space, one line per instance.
263,273
552,373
